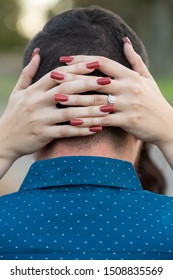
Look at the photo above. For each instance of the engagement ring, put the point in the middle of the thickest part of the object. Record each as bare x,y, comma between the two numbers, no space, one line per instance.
111,99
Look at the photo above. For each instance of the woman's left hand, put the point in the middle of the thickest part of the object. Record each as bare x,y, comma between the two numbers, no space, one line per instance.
139,108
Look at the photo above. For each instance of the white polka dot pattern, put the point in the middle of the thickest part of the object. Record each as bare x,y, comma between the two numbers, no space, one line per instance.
85,208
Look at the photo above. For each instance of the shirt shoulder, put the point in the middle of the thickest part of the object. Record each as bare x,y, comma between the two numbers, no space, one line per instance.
156,201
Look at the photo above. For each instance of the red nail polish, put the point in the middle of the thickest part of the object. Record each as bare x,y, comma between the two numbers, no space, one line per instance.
104,81
36,51
66,59
93,65
76,122
108,108
95,128
127,40
57,76
61,98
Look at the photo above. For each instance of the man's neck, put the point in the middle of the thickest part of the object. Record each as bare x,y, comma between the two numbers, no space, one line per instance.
103,148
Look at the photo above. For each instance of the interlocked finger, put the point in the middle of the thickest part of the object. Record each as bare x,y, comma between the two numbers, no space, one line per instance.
62,131
63,74
81,100
64,115
111,120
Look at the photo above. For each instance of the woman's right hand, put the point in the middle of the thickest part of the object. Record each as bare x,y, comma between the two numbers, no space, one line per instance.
31,117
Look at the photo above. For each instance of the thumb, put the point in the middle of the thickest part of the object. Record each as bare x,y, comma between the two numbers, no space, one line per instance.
135,59
28,72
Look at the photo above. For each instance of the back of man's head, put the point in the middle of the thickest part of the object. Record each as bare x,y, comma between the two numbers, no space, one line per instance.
85,31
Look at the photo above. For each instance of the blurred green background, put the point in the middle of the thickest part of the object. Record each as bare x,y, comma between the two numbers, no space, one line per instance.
20,20
151,19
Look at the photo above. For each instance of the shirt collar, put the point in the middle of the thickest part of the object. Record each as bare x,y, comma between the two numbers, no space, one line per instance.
81,170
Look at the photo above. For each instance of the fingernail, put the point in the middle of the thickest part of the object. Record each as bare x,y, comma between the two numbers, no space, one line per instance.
61,98
93,65
76,122
57,76
108,108
36,51
127,40
95,128
66,59
104,81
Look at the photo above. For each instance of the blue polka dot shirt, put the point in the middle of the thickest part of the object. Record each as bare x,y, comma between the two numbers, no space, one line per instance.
85,208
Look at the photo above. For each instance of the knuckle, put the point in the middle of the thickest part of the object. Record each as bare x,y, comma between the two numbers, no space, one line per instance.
78,101
106,121
30,107
26,104
87,84
28,93
37,131
98,100
67,114
134,119
21,101
80,132
103,60
63,88
25,72
78,67
60,68
136,75
137,91
136,106
92,122
35,122
91,111
63,132
71,77
139,58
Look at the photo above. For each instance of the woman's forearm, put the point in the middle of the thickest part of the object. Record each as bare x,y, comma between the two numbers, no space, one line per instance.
167,151
5,164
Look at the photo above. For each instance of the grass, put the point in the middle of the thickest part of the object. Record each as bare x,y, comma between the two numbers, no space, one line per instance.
166,87
7,85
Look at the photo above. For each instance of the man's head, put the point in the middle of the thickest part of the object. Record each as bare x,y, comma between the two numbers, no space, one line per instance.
86,31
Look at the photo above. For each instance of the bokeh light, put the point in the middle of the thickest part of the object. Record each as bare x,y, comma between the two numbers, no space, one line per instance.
33,16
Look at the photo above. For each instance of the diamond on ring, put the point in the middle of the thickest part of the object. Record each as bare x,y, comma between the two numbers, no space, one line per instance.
111,99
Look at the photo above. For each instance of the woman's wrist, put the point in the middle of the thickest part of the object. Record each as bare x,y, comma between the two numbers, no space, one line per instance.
7,151
165,141
166,129
167,151
7,158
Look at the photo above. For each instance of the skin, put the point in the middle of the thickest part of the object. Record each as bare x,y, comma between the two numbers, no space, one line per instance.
140,109
30,119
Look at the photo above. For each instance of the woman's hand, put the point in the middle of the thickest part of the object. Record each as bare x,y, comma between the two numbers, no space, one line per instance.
10,122
31,117
139,109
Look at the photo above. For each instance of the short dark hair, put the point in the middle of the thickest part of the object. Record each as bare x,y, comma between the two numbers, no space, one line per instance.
90,31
